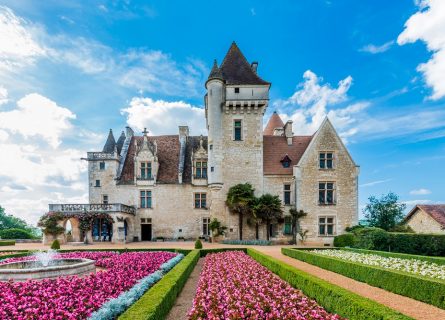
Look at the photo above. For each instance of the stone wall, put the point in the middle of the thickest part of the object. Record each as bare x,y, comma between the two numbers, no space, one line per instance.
422,222
308,175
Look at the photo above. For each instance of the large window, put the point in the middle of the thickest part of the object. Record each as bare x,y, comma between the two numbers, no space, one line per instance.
287,225
237,127
145,170
287,193
326,193
326,160
201,170
145,199
205,226
200,200
326,226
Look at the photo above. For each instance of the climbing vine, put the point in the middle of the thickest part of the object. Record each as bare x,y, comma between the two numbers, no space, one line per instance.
49,222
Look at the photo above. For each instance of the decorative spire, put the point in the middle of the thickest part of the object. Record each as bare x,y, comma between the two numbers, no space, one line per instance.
110,144
215,73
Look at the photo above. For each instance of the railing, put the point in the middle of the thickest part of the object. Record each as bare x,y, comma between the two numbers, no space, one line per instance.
101,156
96,207
145,178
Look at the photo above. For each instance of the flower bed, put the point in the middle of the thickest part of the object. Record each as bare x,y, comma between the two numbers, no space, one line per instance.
234,286
74,297
413,266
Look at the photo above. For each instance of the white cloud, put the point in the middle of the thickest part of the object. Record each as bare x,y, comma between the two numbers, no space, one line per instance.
37,115
428,25
412,203
420,191
371,48
373,183
3,95
308,106
17,45
162,117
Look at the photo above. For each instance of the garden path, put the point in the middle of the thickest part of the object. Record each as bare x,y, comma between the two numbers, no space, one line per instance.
184,300
405,305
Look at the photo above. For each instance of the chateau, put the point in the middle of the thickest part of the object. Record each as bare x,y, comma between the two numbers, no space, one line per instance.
171,186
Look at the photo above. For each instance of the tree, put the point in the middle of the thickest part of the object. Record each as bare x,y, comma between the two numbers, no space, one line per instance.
268,208
239,200
8,221
296,215
385,212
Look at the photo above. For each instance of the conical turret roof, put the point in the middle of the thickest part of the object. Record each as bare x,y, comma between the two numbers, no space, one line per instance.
274,122
215,73
110,144
120,142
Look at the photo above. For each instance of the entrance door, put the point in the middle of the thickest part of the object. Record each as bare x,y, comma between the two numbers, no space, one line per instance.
146,232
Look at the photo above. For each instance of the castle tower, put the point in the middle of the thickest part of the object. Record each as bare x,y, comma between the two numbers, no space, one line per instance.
235,102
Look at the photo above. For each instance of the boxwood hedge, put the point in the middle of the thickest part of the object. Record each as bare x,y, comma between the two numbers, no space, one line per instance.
7,242
416,287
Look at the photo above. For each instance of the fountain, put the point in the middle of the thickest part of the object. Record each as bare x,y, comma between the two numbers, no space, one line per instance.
45,266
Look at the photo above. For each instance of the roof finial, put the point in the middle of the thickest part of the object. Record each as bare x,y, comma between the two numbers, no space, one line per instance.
145,132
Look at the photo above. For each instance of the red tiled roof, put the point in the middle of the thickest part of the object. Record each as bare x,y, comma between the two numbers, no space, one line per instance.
276,147
436,211
274,122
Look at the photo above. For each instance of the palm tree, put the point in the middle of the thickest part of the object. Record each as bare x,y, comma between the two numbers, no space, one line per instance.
268,208
296,216
239,200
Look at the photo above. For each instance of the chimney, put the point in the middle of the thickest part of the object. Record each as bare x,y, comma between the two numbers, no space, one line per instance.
183,131
288,132
254,66
278,131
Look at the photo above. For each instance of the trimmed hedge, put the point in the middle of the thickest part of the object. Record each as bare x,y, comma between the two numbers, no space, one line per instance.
157,302
331,297
248,242
438,260
416,287
344,240
15,233
7,243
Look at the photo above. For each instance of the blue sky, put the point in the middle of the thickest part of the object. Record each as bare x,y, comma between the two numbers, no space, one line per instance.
70,70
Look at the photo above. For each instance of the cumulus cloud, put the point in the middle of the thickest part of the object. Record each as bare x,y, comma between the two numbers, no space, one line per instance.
373,49
3,95
428,25
163,117
314,100
17,44
37,115
420,191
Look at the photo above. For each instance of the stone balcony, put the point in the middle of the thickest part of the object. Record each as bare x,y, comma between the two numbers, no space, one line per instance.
93,207
94,156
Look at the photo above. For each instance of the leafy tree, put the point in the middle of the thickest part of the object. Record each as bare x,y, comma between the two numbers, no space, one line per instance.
8,221
268,208
296,215
384,213
239,200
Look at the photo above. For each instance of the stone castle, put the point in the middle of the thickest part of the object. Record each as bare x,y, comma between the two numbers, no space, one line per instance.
171,186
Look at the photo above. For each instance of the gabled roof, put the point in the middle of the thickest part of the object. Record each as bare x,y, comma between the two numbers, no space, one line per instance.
274,122
110,143
236,69
435,211
275,148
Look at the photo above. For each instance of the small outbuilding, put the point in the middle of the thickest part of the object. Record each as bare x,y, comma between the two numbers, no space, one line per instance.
427,218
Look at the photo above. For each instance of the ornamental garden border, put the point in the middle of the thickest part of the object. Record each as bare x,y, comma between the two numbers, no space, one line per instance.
416,287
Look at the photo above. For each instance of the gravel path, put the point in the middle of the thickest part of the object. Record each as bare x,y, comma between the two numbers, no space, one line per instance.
405,305
184,301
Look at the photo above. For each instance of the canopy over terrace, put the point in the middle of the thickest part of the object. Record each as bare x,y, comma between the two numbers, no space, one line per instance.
93,222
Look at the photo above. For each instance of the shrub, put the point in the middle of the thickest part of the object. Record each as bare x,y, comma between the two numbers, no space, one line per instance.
354,228
7,243
402,228
371,238
344,240
15,233
198,244
55,245
331,297
416,287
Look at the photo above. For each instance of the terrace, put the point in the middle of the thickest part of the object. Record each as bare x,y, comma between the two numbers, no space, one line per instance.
92,207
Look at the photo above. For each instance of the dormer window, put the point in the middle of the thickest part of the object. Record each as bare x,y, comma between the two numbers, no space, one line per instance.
201,169
237,90
286,161
146,170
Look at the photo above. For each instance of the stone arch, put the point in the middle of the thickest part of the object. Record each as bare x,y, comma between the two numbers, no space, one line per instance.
76,234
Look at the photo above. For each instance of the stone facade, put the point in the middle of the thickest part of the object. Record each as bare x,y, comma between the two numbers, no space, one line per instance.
170,169
424,219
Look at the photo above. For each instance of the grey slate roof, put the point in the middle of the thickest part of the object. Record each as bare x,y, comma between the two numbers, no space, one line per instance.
215,73
120,142
110,144
236,69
